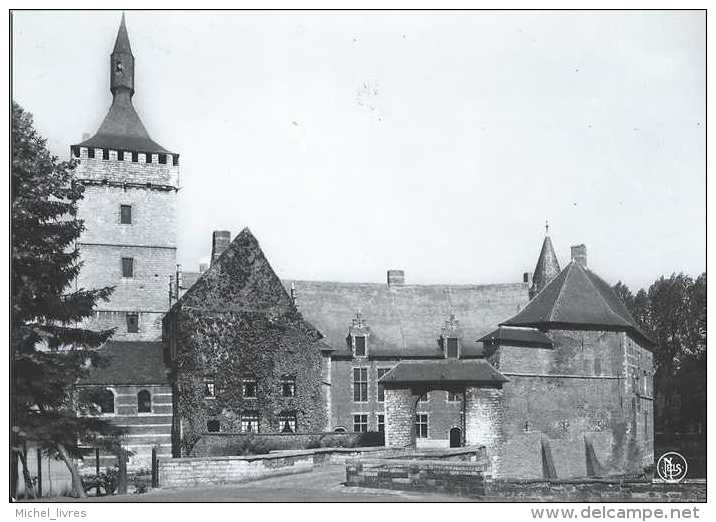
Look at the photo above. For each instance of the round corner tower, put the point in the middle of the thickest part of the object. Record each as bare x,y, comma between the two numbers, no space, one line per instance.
129,211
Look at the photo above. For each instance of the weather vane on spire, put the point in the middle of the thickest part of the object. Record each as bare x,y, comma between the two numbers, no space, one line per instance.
546,227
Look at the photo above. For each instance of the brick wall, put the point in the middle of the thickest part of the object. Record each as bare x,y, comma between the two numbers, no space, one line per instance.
144,431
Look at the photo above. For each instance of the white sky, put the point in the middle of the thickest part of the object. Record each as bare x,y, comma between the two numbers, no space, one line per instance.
438,143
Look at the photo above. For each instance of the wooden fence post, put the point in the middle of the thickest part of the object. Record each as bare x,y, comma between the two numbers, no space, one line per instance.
39,473
122,486
155,468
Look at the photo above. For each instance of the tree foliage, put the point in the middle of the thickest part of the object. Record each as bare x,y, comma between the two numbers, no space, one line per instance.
50,348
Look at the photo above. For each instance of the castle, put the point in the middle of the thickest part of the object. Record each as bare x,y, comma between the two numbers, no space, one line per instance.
551,374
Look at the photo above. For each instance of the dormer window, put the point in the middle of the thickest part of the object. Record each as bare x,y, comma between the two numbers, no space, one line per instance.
359,345
452,348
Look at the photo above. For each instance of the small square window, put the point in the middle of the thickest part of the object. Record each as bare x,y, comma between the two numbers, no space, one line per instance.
360,423
120,155
209,388
288,386
359,345
213,426
127,267
132,323
125,214
454,396
249,387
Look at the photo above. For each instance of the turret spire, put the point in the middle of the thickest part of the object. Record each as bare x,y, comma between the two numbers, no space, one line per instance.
122,62
547,265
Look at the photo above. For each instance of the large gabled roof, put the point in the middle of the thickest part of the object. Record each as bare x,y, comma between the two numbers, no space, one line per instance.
577,298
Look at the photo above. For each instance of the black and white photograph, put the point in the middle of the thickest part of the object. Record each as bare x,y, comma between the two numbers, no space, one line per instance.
358,256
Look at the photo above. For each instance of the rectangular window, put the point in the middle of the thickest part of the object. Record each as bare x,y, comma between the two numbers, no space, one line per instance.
209,388
360,423
120,155
425,397
248,385
452,347
105,154
287,422
360,345
90,153
381,423
360,384
381,387
421,425
132,323
250,421
135,157
127,267
213,426
288,386
162,159
454,396
125,214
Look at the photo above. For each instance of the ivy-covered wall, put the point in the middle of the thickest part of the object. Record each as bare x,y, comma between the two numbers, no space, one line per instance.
238,322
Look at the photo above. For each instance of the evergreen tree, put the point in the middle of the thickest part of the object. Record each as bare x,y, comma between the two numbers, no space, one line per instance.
50,348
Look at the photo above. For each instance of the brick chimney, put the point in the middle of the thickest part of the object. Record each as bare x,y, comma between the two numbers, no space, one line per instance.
579,254
396,277
220,240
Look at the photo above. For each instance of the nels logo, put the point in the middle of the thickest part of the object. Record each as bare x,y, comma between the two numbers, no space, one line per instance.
672,467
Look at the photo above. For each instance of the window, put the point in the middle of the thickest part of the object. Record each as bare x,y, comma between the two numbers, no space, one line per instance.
90,153
175,160
162,159
105,401
381,422
135,157
454,396
105,154
148,157
421,425
288,386
597,366
360,384
425,397
250,421
381,386
132,323
127,267
452,348
209,388
287,422
144,402
359,342
360,423
213,426
248,386
120,155
125,214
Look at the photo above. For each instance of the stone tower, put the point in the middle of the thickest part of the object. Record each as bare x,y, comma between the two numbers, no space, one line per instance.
129,211
547,266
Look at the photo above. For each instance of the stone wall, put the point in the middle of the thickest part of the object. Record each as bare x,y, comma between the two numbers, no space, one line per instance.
399,417
484,421
433,476
127,171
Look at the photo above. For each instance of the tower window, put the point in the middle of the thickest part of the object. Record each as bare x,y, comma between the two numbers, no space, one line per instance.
148,157
135,157
162,159
127,267
213,426
451,348
359,342
175,160
125,214
90,152
105,154
144,402
132,323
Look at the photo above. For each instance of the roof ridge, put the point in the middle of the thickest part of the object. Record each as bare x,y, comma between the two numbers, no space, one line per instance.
557,301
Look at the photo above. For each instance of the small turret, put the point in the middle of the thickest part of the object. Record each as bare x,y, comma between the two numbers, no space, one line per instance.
547,266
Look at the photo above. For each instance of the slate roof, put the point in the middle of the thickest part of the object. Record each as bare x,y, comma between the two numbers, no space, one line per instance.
577,298
130,362
517,337
446,370
406,320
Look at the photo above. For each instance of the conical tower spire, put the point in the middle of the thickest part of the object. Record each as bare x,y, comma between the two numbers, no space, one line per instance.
122,63
547,265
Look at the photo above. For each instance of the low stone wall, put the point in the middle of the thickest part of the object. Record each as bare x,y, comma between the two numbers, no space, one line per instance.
434,476
202,471
234,444
595,490
464,454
